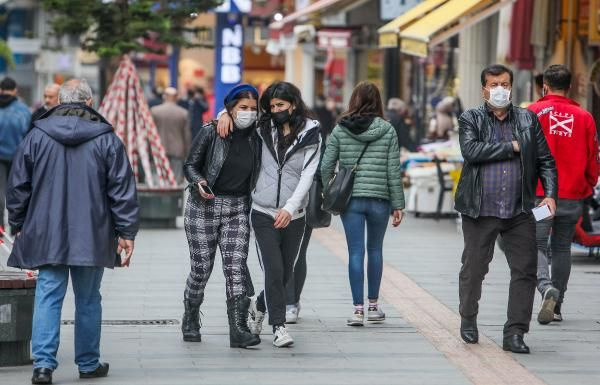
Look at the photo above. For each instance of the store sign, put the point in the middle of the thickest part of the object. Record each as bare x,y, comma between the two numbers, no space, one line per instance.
333,39
229,53
235,6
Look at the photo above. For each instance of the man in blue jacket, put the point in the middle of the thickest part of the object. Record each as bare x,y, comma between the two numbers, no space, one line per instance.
14,121
72,200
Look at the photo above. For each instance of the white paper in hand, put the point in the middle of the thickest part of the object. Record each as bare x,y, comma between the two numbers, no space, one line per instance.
541,212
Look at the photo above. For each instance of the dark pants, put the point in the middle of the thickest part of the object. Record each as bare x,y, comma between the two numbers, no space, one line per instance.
4,171
562,227
518,235
277,251
296,282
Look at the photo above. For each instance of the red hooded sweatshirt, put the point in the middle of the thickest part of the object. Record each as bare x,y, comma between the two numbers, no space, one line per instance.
571,135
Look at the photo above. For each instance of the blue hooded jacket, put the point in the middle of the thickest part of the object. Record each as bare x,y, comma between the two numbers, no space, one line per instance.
71,191
14,122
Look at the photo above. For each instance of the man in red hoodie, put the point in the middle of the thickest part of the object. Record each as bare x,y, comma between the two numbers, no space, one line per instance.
571,135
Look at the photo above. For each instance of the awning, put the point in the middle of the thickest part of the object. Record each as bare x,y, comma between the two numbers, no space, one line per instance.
388,34
321,6
437,21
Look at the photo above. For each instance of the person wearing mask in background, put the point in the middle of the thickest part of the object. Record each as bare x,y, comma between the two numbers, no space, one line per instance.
50,101
14,123
377,191
571,135
229,167
172,125
505,153
291,145
72,199
198,106
396,114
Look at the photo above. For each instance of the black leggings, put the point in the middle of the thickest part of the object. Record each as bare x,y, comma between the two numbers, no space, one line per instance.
278,250
296,281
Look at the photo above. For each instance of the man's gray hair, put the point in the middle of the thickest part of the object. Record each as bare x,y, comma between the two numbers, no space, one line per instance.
75,91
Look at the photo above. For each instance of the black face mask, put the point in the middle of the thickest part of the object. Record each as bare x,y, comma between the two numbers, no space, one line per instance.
281,117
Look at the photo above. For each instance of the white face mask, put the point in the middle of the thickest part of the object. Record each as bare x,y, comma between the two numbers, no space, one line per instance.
245,119
499,97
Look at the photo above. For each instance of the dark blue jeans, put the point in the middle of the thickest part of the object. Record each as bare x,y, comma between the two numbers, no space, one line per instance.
375,213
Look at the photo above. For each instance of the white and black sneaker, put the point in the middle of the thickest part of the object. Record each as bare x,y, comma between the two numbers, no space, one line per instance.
255,317
291,314
281,337
549,300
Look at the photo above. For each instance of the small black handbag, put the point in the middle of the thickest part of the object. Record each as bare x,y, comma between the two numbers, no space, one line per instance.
316,217
339,190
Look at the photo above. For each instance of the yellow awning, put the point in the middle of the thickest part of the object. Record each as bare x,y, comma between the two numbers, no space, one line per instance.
388,34
441,24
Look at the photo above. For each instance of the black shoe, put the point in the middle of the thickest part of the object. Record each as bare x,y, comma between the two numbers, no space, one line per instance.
468,330
190,323
515,344
239,333
101,371
42,376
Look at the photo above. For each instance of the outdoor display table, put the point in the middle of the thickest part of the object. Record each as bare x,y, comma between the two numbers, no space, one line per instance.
17,291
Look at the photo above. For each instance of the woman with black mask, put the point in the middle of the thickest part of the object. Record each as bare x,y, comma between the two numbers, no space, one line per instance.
290,157
221,174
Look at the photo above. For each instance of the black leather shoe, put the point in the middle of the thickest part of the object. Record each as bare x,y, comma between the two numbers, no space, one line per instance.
42,376
101,371
515,344
468,331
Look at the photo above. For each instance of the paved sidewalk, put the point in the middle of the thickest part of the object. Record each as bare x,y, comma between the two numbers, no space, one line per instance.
326,351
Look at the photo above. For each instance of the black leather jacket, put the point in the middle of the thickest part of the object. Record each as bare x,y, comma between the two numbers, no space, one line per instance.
475,129
208,153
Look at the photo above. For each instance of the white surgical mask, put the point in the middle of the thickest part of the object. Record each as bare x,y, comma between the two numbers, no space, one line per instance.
245,119
499,97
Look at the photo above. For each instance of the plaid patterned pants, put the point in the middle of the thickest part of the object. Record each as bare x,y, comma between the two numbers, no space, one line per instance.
221,221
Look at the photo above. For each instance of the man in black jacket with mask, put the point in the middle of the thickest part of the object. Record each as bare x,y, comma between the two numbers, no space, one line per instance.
505,153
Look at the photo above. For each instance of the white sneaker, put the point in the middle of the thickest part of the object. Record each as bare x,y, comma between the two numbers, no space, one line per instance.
291,314
255,317
375,314
281,338
358,318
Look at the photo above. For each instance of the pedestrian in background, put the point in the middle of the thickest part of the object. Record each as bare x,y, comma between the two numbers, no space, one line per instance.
172,124
50,101
14,122
505,153
71,163
571,135
396,114
377,191
326,113
198,106
229,167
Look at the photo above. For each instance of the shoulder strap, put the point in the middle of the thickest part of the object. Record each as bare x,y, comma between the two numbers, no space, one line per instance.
361,155
310,159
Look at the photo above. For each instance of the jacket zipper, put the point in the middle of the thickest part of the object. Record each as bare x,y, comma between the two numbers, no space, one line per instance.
279,171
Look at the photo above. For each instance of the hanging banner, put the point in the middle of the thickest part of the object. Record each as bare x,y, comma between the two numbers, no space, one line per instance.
229,54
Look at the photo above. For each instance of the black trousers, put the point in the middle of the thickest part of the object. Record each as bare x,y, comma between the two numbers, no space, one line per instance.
296,282
277,250
518,235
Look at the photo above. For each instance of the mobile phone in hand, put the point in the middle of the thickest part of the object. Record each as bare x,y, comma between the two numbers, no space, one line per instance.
206,189
118,261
